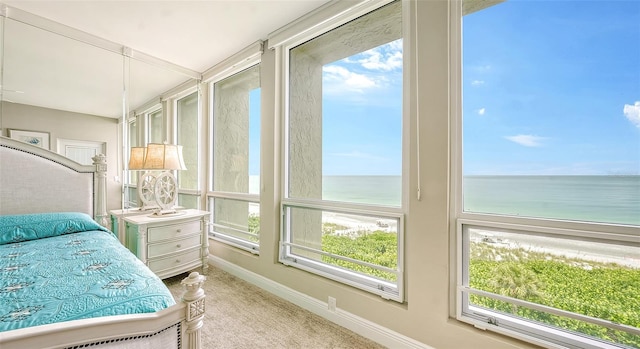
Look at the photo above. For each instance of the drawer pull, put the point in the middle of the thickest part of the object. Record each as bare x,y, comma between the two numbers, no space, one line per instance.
179,230
177,261
178,245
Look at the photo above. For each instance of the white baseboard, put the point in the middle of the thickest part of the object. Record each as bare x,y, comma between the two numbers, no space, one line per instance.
361,326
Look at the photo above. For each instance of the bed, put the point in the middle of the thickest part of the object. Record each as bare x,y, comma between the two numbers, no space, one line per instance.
65,280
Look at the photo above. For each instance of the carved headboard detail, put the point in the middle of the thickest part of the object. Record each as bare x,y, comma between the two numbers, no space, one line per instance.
35,180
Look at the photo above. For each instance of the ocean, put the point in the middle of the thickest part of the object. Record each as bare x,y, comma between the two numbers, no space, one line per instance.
606,199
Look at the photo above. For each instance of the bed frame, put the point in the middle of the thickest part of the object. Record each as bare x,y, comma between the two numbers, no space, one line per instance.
34,180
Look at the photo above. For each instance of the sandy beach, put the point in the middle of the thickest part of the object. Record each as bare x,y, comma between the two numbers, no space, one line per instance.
357,223
571,248
353,223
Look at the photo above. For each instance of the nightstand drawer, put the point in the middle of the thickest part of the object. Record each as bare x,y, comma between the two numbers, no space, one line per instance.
160,249
171,244
173,231
175,260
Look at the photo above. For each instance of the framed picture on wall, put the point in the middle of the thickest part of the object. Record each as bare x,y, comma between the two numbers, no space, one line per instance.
37,138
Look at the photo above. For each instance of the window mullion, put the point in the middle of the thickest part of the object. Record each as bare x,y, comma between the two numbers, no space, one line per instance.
336,256
551,310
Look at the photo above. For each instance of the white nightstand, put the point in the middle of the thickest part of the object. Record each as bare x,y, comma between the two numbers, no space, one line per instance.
171,244
117,221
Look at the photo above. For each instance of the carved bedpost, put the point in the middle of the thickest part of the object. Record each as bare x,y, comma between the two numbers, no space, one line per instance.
100,197
194,299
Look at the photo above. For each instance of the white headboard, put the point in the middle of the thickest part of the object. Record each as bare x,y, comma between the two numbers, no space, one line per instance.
35,180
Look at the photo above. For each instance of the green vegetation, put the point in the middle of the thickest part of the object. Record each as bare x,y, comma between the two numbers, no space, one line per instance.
378,247
254,224
601,290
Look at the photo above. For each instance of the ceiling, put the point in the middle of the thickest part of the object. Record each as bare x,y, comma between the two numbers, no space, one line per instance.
191,34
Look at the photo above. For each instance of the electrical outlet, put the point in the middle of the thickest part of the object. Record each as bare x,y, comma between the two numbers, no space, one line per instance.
331,304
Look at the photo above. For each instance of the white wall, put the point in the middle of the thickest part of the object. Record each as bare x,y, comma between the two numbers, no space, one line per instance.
68,125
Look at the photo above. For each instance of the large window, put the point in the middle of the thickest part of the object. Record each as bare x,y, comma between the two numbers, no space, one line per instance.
234,201
130,191
188,129
342,206
549,211
155,127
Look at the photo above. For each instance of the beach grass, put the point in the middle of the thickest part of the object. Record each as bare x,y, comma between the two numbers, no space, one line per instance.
608,291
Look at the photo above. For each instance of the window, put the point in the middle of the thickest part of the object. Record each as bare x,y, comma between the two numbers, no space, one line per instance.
342,206
187,124
235,199
130,191
155,127
549,211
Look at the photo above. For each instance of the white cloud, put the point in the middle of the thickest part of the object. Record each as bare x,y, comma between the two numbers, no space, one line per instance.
376,60
481,111
632,112
395,45
477,82
383,58
340,78
353,76
526,140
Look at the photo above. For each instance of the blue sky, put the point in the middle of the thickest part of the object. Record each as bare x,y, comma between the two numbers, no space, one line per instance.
552,87
362,113
549,88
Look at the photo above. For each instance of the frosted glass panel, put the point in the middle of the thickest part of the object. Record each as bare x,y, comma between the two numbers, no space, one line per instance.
188,138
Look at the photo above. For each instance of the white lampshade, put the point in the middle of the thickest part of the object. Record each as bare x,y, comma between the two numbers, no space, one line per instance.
136,158
164,157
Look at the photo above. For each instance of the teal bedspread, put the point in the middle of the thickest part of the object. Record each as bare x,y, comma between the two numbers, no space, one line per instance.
67,269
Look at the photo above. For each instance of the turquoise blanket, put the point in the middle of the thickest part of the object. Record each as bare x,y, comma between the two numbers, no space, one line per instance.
72,275
24,227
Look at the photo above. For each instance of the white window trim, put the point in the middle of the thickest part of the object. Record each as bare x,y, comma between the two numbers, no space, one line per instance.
244,59
242,244
524,330
181,91
249,57
314,24
147,124
386,290
323,19
530,331
173,101
149,107
127,184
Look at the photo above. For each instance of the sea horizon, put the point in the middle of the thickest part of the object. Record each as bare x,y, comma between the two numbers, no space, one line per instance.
610,198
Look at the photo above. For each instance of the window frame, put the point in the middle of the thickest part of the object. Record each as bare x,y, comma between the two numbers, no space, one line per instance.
243,244
247,58
367,283
173,100
531,332
130,184
283,41
148,124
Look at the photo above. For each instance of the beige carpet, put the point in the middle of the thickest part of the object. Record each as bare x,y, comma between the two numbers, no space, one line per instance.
241,315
